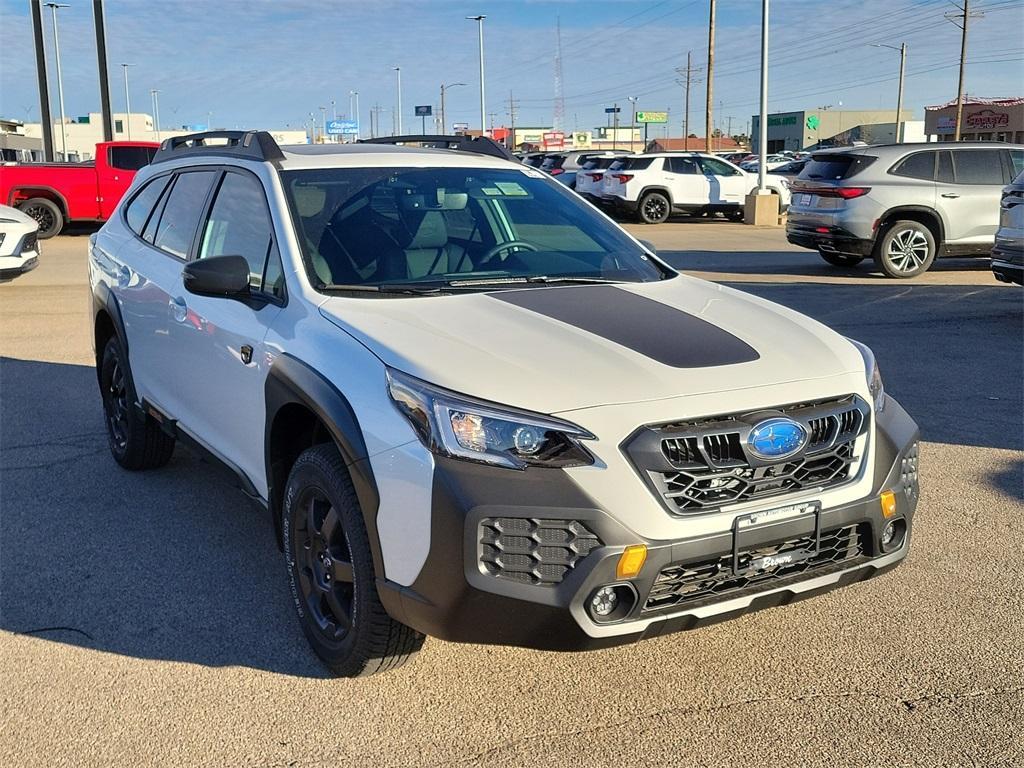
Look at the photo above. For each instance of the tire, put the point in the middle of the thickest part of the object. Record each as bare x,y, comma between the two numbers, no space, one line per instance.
840,259
47,213
905,249
331,574
735,215
136,442
653,208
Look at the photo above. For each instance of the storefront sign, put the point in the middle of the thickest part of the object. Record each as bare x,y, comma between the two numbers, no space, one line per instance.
987,119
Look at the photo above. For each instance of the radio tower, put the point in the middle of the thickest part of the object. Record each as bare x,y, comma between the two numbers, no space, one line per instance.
559,116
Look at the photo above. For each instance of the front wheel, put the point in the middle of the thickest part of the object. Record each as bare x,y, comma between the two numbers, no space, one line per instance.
654,208
840,259
905,249
46,213
331,573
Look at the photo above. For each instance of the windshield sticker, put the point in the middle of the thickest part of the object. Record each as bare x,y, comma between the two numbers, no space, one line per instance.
511,188
532,172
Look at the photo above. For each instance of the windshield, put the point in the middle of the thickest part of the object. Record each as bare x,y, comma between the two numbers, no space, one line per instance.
378,228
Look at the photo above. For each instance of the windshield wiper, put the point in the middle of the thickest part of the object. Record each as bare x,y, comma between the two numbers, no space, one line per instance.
407,290
526,280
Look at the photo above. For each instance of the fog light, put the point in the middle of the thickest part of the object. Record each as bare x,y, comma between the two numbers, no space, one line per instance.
631,561
888,534
888,501
604,601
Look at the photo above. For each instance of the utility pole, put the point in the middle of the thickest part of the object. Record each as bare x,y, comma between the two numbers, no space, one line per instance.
728,121
155,94
512,104
632,122
44,89
444,116
354,111
615,126
686,83
127,101
60,80
711,76
960,19
483,109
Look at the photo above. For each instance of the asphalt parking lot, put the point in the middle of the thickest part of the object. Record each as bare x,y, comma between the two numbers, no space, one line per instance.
144,618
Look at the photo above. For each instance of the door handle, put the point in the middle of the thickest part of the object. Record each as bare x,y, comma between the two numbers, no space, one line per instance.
950,195
179,310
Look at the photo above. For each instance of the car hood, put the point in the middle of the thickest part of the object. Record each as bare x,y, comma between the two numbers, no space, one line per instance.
552,349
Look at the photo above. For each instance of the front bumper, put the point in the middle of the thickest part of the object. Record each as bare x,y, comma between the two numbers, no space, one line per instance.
832,239
455,597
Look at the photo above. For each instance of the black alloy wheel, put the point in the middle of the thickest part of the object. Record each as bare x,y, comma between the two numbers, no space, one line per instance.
654,208
47,215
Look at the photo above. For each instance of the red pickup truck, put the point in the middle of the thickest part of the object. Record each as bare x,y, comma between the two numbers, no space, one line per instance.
55,193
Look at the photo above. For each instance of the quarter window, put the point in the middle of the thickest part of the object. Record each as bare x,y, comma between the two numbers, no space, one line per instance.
239,225
920,165
978,166
142,205
180,217
686,165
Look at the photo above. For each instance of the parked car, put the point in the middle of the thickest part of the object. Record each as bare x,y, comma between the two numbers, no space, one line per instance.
56,193
1008,251
475,408
652,186
789,170
771,162
901,204
19,246
590,176
534,159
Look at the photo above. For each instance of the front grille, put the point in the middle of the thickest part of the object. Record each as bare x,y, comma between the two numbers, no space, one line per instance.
700,466
533,551
713,580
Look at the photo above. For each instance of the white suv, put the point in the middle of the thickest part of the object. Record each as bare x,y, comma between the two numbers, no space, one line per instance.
652,186
475,408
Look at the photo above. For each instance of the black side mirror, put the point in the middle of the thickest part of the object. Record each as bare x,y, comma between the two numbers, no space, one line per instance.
217,276
650,247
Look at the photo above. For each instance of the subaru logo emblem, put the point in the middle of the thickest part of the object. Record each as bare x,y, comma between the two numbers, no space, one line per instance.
776,438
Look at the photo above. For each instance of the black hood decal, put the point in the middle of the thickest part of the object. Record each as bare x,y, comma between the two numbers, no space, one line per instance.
652,329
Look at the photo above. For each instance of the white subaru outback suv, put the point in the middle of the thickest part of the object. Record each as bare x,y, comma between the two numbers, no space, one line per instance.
475,408
653,186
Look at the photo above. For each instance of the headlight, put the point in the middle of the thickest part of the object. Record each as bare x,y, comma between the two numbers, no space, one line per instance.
454,425
874,376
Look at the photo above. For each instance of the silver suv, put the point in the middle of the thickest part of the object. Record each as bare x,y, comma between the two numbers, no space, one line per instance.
902,204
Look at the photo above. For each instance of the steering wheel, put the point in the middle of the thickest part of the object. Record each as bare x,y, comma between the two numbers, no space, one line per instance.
492,252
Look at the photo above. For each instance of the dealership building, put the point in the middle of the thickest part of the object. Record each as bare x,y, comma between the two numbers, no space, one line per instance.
983,120
809,128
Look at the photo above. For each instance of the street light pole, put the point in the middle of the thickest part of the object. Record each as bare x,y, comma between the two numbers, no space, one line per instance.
902,50
60,80
443,114
483,109
632,123
354,112
323,125
127,101
762,128
156,111
398,114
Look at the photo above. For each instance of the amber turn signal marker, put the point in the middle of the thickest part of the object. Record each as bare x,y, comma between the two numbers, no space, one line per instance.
888,500
631,561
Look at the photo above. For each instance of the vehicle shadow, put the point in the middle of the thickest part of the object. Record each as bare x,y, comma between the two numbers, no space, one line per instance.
172,564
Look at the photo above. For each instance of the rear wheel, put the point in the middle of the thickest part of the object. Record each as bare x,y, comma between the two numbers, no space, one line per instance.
136,442
840,259
736,215
46,213
333,583
654,208
905,249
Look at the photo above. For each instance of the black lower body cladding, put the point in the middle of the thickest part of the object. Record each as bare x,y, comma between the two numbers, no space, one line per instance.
458,596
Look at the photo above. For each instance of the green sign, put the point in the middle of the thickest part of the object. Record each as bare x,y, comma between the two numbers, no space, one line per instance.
813,122
782,120
652,117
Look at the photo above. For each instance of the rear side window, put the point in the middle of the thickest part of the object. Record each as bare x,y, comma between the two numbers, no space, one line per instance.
920,165
180,217
686,165
239,225
1017,162
130,158
141,207
636,163
977,166
835,167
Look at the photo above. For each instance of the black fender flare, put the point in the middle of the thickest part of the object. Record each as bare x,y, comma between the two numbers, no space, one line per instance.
291,381
104,300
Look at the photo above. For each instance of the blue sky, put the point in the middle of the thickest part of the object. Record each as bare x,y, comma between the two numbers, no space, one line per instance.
268,64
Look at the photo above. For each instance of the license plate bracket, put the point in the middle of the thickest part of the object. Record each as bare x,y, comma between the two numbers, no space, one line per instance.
757,520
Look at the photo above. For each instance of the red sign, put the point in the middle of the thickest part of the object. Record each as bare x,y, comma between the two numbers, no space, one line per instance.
986,118
554,140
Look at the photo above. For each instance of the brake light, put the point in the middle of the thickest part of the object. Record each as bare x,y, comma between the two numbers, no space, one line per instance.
596,176
623,177
557,171
846,193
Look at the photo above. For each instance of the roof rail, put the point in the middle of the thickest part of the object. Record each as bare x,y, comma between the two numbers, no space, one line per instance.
251,145
481,145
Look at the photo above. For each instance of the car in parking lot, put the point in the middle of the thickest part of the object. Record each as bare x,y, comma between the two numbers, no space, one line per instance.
901,204
1008,251
770,163
790,170
653,186
19,243
590,176
477,409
